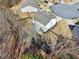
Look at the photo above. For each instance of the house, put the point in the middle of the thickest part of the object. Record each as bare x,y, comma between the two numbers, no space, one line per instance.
29,9
43,21
29,6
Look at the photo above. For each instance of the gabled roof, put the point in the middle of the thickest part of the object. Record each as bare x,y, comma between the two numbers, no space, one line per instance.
33,3
44,20
44,17
30,6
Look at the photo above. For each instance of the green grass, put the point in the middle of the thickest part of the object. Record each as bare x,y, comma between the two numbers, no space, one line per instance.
30,56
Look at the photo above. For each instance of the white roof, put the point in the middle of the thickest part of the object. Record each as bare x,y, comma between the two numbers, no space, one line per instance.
33,3
44,20
39,27
29,9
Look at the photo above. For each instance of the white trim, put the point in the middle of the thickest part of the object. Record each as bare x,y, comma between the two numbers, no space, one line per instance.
29,9
51,24
58,18
40,27
62,1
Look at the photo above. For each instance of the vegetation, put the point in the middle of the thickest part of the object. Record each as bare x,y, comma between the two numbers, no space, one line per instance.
30,56
77,23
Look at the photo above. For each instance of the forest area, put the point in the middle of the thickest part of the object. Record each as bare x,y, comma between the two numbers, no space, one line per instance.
29,29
